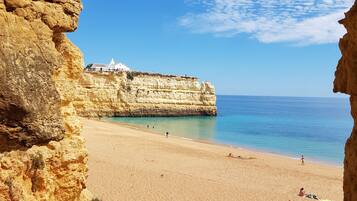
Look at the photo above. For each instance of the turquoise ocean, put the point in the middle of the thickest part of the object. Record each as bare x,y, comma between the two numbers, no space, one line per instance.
291,126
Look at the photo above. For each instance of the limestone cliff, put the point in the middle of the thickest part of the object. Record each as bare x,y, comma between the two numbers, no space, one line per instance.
42,156
346,82
142,94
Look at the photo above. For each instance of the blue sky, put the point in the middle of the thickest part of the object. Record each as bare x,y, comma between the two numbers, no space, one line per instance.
244,47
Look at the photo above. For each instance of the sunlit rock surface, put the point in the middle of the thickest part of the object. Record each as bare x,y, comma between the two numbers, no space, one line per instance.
42,156
142,94
346,82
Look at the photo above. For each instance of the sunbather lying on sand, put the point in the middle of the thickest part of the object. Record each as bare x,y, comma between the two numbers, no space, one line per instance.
310,195
230,155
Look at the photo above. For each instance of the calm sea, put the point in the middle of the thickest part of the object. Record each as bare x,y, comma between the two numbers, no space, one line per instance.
315,127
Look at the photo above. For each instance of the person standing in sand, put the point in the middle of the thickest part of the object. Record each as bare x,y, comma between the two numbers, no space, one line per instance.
167,134
302,160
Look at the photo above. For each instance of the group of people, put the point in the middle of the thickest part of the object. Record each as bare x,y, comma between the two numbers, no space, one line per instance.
148,126
302,190
166,134
310,195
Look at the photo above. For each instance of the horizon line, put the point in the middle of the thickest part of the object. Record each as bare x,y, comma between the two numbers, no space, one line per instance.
338,96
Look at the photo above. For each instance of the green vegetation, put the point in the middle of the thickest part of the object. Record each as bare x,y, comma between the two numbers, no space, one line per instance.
130,75
89,65
37,162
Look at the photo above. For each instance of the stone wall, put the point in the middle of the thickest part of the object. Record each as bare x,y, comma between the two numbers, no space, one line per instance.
346,82
142,94
42,156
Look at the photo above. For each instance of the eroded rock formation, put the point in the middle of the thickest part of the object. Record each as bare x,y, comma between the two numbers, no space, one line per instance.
142,94
346,82
42,156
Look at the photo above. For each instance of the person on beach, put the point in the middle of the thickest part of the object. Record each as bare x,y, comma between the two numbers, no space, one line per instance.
302,160
301,192
167,134
147,126
310,195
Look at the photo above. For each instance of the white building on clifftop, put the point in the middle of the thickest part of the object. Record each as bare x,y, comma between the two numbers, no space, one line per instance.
111,67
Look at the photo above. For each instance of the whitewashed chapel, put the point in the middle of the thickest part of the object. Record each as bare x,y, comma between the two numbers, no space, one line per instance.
112,66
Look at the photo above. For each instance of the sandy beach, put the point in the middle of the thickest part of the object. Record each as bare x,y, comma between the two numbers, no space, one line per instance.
128,163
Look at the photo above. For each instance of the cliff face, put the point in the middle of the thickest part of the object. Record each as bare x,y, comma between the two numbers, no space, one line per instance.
42,156
142,94
346,82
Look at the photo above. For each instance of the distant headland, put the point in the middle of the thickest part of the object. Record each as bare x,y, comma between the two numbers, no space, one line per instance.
115,90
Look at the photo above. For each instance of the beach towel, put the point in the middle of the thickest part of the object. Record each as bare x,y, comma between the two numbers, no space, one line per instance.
312,196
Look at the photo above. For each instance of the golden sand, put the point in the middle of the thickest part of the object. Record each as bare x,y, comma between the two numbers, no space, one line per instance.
127,163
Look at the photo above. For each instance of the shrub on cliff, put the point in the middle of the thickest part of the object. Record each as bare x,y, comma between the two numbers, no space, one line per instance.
130,75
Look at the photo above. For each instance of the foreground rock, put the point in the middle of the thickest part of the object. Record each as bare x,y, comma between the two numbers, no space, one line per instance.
142,94
53,172
346,82
42,156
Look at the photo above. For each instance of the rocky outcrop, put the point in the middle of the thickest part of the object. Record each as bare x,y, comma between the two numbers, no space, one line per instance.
142,94
346,82
52,172
29,101
42,156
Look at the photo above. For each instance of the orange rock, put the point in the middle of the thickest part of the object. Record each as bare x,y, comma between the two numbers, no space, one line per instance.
346,82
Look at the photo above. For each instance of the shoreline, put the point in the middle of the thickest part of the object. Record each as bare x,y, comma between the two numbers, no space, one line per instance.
261,151
133,163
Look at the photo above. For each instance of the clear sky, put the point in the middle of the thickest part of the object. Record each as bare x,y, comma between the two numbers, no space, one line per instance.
244,47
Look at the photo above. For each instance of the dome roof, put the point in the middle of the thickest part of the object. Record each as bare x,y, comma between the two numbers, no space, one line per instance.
117,66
